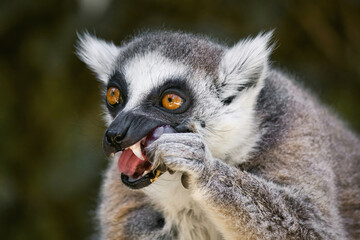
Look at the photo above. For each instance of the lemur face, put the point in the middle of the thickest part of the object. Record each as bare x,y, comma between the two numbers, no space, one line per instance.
178,83
147,92
152,91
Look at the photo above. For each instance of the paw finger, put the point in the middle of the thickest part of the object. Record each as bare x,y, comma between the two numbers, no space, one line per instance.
182,164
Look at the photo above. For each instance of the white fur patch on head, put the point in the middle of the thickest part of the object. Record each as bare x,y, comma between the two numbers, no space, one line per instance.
98,54
244,63
144,72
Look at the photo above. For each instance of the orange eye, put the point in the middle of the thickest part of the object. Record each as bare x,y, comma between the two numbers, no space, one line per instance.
171,101
113,96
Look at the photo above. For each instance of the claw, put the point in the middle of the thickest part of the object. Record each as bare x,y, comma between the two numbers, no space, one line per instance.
157,174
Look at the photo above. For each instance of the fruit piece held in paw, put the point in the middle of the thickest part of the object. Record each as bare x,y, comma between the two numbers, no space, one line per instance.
157,132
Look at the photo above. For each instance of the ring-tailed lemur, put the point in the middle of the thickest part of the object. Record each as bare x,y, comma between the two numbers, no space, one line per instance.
219,145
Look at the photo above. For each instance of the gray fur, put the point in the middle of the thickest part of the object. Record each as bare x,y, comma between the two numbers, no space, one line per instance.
297,179
198,52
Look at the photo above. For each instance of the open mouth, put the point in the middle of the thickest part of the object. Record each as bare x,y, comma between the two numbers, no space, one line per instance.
137,171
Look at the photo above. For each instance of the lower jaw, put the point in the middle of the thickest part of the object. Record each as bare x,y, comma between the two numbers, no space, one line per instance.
140,182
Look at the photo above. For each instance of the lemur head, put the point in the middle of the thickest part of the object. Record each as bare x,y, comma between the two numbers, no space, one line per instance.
181,80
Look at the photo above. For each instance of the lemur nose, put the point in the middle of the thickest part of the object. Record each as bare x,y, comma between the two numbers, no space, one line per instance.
113,138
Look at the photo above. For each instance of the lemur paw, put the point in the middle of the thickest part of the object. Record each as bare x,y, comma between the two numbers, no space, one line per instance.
185,152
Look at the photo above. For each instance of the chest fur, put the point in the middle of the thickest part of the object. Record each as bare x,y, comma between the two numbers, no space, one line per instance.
180,210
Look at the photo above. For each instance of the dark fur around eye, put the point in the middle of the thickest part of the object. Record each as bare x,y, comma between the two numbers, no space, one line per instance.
118,81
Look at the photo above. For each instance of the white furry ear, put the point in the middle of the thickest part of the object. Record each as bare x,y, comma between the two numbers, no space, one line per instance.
99,55
244,65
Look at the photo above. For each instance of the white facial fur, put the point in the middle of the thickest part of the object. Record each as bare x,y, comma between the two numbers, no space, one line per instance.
231,131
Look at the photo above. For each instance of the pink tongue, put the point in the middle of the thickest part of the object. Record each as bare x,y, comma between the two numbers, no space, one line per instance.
128,162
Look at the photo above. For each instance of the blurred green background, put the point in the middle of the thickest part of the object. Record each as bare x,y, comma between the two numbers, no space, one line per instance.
51,159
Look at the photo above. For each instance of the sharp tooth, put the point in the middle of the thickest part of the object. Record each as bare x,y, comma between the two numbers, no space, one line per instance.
146,172
138,153
136,148
117,155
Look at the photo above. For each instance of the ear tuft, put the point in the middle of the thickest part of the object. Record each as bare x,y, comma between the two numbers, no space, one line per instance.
244,65
98,54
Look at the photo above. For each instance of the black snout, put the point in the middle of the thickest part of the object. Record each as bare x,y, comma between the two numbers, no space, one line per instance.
113,138
126,130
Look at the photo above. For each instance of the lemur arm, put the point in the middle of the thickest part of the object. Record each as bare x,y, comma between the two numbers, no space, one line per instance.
240,204
246,206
